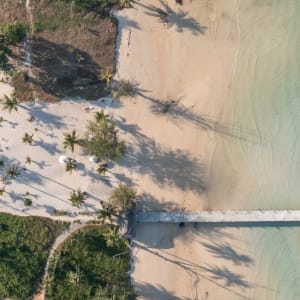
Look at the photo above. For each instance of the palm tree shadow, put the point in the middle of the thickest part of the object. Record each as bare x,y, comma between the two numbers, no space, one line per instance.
147,202
224,250
177,112
165,166
180,20
158,292
224,274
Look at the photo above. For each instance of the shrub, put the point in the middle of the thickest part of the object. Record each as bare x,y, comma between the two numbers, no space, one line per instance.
27,202
13,32
123,198
12,172
77,197
101,139
59,212
124,88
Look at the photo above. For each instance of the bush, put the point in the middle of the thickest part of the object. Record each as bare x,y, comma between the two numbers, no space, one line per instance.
13,32
124,88
123,198
59,212
101,139
77,197
27,202
3,59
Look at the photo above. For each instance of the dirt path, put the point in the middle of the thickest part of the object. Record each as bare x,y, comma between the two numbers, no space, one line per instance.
58,242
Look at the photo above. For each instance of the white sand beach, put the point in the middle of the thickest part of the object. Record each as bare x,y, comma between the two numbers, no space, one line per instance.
45,180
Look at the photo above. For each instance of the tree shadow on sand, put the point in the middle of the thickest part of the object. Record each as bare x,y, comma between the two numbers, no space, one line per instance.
147,202
158,292
178,19
165,166
177,112
39,115
225,251
221,277
224,274
65,71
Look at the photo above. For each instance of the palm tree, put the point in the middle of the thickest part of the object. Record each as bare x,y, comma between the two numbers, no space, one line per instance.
77,197
2,191
100,116
10,103
70,165
101,139
106,213
106,75
112,237
28,160
12,172
102,169
74,277
125,3
27,138
123,198
70,140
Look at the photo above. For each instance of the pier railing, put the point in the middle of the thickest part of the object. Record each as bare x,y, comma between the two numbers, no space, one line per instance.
219,216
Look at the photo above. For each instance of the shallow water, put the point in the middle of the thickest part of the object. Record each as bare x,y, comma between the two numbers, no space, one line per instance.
261,169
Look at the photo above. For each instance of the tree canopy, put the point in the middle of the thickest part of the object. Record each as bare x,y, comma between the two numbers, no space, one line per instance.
101,138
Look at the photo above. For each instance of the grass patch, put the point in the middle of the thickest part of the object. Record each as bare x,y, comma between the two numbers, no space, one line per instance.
59,15
86,268
24,248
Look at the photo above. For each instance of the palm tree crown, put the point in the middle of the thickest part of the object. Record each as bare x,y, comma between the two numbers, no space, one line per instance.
70,140
10,103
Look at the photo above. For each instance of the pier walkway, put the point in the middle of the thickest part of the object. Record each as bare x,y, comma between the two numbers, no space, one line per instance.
219,216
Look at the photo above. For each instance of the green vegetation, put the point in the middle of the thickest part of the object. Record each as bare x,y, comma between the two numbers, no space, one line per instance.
12,172
101,139
24,248
101,170
106,213
60,212
88,268
125,3
27,202
70,140
77,197
123,198
28,160
10,33
10,103
70,165
106,76
13,32
27,138
124,88
2,191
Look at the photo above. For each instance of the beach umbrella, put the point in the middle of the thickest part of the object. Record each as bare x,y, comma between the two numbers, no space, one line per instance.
93,159
62,159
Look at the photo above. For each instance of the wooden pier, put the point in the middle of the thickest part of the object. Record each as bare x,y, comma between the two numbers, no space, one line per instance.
219,216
